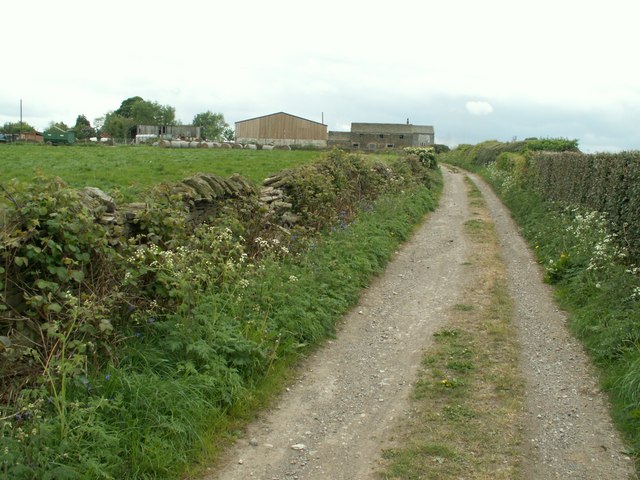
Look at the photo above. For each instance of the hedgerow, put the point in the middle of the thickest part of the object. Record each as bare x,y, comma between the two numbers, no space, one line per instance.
120,347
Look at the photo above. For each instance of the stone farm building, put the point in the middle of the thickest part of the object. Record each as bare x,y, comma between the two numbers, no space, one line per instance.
144,132
281,129
374,136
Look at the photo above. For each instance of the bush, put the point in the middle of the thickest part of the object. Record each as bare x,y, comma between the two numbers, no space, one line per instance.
551,145
488,152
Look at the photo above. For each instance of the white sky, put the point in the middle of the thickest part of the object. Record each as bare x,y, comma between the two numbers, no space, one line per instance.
474,70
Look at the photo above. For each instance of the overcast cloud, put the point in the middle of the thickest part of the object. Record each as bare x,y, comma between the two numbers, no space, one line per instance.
474,70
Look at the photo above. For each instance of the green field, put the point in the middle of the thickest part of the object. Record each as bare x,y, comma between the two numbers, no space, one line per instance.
132,169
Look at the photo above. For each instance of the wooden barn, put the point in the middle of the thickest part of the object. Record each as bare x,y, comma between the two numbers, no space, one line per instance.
281,129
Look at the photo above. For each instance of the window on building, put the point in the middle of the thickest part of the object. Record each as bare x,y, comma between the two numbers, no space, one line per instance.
381,135
389,145
401,136
372,146
355,145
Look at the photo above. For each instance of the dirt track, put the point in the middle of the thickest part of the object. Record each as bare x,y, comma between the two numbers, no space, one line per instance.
334,421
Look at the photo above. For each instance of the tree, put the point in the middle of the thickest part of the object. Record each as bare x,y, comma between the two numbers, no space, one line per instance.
212,126
117,126
126,107
98,124
16,127
229,134
144,112
166,115
83,128
59,126
134,111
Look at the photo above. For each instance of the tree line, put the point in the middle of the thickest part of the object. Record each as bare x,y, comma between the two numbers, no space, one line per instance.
122,122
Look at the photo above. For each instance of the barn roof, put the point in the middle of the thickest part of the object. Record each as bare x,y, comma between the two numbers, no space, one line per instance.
280,113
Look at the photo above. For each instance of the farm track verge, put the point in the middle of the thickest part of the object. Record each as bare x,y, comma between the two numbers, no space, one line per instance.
568,431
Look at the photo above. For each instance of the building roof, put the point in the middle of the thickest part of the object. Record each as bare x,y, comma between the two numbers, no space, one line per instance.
280,113
398,128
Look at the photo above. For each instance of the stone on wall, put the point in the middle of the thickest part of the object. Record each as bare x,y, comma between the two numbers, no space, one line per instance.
94,198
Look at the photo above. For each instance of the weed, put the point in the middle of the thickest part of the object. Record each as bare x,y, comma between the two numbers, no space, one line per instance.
446,333
463,307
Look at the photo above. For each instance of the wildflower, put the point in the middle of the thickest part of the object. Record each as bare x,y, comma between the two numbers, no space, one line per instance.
107,377
293,278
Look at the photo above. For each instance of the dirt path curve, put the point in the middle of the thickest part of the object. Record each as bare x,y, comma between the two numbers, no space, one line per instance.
335,420
568,429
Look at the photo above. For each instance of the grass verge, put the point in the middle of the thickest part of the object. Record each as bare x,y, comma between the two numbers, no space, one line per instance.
468,397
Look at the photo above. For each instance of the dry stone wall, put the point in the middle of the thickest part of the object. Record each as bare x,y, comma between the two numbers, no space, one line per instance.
203,194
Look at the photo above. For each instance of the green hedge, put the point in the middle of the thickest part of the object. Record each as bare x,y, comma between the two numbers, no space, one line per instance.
607,183
553,168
